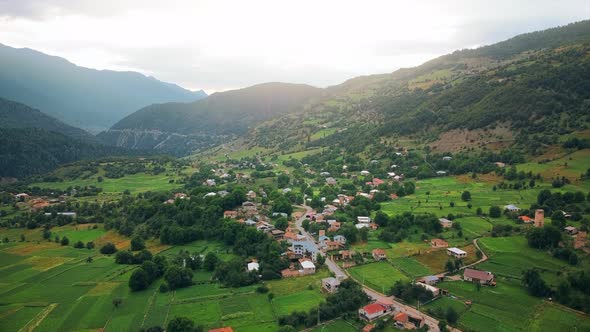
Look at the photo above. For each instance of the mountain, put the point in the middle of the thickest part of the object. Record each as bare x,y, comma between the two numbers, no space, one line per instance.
28,151
181,128
83,97
17,115
526,91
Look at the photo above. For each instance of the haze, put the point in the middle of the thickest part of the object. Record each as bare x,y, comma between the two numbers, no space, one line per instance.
220,45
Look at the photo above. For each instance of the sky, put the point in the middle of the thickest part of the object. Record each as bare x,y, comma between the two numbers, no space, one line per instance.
221,45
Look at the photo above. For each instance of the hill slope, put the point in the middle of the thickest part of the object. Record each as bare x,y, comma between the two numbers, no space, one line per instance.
80,96
536,85
181,128
17,115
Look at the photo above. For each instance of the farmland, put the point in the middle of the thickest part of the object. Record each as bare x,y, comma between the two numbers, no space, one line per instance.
379,276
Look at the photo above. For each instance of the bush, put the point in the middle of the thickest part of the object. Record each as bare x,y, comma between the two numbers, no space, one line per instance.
495,211
64,241
108,249
137,243
79,245
139,280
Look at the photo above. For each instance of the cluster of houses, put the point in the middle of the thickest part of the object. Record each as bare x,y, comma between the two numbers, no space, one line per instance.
402,318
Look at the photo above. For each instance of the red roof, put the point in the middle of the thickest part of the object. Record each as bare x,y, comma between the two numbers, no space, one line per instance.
368,328
401,317
222,329
373,308
526,219
379,252
377,181
478,274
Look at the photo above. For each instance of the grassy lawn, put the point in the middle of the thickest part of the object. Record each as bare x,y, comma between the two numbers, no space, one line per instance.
411,267
336,326
435,260
378,276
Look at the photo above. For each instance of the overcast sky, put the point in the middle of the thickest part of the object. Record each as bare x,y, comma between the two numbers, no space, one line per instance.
219,45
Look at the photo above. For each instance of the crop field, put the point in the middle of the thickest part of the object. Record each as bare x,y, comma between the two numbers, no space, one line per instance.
336,326
82,232
510,256
435,260
411,267
506,307
379,276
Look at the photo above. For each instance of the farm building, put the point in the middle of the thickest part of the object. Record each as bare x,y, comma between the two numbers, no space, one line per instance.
439,243
330,284
478,276
446,223
373,311
456,252
435,291
429,280
379,254
512,208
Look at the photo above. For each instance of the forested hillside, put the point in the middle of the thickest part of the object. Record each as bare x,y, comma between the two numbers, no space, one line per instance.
180,128
80,96
17,115
27,151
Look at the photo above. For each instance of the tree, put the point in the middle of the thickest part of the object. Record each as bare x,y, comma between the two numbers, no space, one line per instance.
79,245
442,325
495,211
558,219
137,243
124,257
536,286
270,296
320,259
466,196
178,277
210,261
283,180
89,245
64,241
139,280
108,249
281,223
452,315
180,324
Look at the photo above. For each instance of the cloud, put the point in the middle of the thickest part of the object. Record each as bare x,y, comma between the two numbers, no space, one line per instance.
224,44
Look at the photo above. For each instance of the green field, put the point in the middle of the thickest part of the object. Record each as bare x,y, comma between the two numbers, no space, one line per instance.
135,183
411,267
379,276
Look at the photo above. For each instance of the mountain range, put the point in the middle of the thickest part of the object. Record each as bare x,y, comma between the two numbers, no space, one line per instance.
82,97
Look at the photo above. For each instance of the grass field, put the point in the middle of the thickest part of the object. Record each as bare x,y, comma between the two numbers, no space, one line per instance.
337,326
411,267
435,260
379,276
135,183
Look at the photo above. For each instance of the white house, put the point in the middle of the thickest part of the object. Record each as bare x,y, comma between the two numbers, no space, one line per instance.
307,266
365,173
363,220
253,266
446,223
456,252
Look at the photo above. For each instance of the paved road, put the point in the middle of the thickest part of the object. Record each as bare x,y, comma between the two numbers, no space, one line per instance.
484,257
430,321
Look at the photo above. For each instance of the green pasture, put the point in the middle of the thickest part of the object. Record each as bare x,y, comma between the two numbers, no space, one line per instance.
411,267
338,325
135,183
379,276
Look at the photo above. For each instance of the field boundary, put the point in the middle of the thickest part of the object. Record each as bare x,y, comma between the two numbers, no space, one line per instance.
34,323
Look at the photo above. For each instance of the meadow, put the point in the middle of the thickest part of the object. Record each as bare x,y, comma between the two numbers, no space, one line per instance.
379,276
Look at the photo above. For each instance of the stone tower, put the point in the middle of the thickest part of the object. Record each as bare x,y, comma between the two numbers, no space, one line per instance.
539,218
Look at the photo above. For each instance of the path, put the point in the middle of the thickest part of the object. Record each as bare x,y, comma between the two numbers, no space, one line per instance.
484,257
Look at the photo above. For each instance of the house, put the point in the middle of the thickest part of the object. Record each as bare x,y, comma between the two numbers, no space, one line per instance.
251,194
180,196
526,219
435,291
379,254
377,181
250,222
390,174
360,226
539,218
211,194
456,252
441,173
334,226
373,311
500,164
330,284
365,173
368,328
340,239
346,254
512,208
230,214
429,280
331,181
277,234
439,243
253,266
22,197
446,223
478,276
307,266
363,220
571,230
401,318
305,248
222,329
280,214
447,158
325,174
210,182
